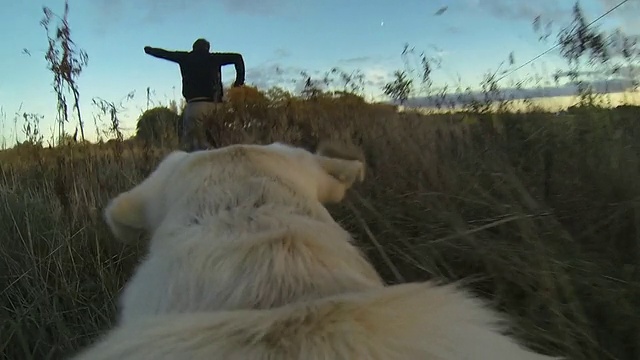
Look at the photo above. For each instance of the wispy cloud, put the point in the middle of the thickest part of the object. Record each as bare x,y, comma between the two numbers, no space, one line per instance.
376,77
281,53
557,11
366,61
452,29
438,52
601,86
161,10
292,78
270,75
254,7
355,60
629,73
627,13
524,10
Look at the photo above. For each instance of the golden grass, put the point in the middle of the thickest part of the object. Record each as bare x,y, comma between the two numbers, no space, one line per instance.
539,213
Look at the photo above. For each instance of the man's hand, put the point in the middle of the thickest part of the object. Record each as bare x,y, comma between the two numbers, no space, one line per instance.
147,49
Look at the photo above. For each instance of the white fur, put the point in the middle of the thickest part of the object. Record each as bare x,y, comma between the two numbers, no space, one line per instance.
245,262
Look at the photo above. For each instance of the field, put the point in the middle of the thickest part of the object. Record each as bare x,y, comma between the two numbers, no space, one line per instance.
539,213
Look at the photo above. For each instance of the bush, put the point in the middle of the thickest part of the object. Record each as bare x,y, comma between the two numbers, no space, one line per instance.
159,126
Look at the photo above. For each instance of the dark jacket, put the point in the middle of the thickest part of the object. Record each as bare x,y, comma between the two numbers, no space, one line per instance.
201,71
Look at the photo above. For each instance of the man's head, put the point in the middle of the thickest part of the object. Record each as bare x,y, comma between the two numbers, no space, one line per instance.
201,45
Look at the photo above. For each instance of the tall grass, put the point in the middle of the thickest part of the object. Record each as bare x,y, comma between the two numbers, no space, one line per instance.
539,213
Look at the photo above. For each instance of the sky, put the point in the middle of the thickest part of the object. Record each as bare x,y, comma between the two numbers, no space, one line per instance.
277,38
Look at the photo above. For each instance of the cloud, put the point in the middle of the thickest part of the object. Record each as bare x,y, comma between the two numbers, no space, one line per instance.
276,57
355,60
554,15
559,11
524,10
438,52
452,29
254,7
161,10
292,78
270,75
281,53
366,61
618,84
376,77
627,13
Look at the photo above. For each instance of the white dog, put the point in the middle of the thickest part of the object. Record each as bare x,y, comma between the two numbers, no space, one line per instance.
245,262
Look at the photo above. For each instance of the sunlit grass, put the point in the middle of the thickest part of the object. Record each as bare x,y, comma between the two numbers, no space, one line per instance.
539,212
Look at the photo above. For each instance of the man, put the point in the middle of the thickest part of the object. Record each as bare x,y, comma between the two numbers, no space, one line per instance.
201,83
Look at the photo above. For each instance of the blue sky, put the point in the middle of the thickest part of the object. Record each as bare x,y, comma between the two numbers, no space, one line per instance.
471,37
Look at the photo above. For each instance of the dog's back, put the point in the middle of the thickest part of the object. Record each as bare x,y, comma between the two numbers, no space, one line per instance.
409,321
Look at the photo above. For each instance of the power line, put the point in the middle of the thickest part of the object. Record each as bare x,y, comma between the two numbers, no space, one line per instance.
558,44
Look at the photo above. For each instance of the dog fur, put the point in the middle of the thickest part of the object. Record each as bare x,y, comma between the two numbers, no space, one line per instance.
245,262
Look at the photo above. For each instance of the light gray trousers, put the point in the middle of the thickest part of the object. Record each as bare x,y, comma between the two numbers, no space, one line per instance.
192,137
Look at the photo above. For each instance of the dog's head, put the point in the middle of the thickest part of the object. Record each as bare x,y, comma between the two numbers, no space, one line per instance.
324,176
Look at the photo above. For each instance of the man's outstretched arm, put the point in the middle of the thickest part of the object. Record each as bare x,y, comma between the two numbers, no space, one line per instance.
174,56
235,59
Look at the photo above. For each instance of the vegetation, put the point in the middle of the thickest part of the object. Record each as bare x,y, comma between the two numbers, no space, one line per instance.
538,212
159,125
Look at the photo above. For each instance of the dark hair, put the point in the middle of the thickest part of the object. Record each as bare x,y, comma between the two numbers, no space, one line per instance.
201,45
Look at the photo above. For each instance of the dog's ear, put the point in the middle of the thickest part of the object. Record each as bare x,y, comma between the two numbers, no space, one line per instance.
340,150
125,215
345,165
130,214
343,171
